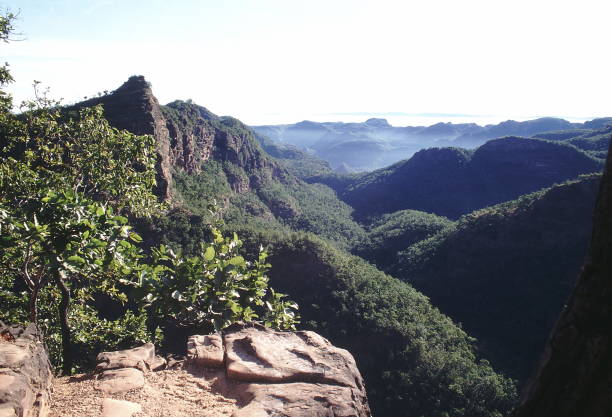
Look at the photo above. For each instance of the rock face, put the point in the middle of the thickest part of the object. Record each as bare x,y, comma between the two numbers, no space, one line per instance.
293,374
133,107
187,136
25,373
575,374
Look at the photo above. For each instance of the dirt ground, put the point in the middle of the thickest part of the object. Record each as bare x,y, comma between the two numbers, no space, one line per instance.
168,393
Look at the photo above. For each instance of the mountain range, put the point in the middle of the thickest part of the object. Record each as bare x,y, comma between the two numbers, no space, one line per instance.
373,144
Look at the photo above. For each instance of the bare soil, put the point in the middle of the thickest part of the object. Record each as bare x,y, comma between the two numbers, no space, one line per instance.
168,393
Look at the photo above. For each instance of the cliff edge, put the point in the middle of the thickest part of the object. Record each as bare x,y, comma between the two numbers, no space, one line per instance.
575,373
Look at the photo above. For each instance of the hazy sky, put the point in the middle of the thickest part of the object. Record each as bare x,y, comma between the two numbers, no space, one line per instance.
274,61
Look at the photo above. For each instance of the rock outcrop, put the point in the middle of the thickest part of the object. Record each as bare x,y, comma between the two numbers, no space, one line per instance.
133,107
293,374
25,373
187,135
290,374
575,374
124,370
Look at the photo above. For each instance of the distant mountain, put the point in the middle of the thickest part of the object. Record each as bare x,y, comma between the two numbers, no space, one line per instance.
451,182
375,143
593,141
506,271
513,128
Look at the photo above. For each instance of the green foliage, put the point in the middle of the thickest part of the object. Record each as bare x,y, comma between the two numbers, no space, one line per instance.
521,256
415,361
213,289
63,183
395,232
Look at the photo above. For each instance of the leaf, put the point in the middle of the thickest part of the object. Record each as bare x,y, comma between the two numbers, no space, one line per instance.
76,260
135,237
237,261
99,211
209,254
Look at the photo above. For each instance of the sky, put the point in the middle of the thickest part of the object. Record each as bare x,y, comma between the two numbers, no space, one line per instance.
283,61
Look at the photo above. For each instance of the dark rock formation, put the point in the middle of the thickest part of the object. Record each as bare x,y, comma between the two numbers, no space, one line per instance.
293,374
187,136
133,107
25,373
575,374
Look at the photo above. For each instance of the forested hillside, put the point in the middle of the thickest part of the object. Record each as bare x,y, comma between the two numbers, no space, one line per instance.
451,182
506,271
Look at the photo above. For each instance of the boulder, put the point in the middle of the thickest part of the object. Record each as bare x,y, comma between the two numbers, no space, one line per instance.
205,351
119,408
142,357
258,354
289,374
115,381
303,400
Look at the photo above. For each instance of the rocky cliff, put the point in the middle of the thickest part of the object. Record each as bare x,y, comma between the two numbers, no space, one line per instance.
187,136
575,373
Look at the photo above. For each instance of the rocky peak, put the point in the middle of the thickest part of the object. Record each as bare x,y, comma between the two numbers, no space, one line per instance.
187,136
377,122
133,107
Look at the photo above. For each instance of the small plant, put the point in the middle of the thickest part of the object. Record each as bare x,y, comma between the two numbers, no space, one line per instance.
213,289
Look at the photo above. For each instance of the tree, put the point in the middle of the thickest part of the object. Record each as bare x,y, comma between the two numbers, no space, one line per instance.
63,186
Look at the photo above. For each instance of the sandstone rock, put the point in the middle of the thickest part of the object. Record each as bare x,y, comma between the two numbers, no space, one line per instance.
7,411
205,350
120,380
119,408
291,374
142,357
158,363
25,373
303,400
258,354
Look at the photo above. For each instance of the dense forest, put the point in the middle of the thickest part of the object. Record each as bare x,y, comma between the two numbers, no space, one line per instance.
442,274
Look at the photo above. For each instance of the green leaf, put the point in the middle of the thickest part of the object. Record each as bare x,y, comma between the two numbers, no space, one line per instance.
76,260
209,254
237,261
135,237
99,211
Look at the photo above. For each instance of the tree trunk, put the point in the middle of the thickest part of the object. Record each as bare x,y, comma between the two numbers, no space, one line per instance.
62,311
33,307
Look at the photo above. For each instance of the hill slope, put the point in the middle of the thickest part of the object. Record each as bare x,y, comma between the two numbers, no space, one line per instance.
451,182
505,271
205,158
